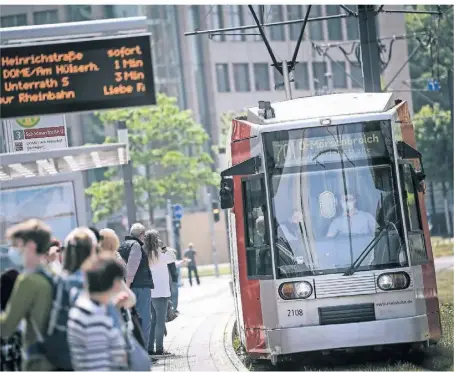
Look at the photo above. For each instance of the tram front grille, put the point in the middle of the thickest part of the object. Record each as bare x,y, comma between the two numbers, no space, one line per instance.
346,314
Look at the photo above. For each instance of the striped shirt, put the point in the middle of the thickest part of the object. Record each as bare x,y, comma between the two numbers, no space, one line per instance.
94,342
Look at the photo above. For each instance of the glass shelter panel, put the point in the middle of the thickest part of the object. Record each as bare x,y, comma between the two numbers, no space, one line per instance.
333,195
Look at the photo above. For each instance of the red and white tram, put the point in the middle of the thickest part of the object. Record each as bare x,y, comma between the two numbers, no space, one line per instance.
330,246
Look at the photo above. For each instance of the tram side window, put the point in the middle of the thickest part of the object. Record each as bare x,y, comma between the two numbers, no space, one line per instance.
415,231
258,251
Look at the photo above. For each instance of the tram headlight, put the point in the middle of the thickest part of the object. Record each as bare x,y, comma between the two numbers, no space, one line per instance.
393,281
295,290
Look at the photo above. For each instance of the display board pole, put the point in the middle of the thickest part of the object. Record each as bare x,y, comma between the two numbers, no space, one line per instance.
127,170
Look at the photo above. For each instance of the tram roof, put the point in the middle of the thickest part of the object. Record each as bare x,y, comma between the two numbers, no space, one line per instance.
325,106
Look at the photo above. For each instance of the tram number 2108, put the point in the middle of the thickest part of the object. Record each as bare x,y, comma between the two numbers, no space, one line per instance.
298,312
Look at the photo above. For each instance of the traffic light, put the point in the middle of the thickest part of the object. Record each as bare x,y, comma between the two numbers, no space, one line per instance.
177,224
216,210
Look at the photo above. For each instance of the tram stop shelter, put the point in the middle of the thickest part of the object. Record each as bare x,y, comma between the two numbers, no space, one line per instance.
52,179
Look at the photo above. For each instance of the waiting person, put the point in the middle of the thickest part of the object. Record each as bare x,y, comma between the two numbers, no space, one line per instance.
32,294
11,348
80,251
96,344
161,291
138,275
54,257
173,276
190,254
109,244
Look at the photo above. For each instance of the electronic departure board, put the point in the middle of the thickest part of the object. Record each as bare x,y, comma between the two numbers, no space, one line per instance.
76,76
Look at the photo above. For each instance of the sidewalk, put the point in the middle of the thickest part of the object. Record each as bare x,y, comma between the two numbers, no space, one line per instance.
200,339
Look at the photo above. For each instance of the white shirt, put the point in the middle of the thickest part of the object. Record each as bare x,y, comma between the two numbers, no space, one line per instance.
361,223
160,276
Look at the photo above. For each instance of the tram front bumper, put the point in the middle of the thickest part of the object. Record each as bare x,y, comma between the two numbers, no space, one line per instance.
350,335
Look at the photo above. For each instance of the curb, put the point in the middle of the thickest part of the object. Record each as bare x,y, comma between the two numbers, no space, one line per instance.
228,337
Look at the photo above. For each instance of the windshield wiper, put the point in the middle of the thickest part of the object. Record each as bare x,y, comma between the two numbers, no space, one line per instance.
356,264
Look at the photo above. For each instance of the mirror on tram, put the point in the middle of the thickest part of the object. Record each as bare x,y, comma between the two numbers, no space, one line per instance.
226,193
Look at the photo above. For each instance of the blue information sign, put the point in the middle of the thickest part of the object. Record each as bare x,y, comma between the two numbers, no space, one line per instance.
178,211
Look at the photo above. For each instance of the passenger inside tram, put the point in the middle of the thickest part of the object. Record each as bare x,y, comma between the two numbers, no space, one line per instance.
352,220
317,233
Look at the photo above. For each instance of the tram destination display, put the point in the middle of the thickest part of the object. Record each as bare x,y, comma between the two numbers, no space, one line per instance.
65,77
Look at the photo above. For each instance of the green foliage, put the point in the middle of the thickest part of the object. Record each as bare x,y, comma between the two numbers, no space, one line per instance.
434,135
169,144
431,62
225,124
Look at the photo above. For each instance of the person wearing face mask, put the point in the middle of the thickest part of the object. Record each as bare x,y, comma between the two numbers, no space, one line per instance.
31,298
352,221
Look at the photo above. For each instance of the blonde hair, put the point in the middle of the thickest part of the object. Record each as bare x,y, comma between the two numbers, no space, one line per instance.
109,241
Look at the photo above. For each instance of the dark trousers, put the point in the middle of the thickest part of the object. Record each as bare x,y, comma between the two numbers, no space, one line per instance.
190,270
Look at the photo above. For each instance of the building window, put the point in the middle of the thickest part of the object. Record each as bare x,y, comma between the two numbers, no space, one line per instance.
14,20
352,28
235,19
79,13
278,79
276,15
319,75
294,12
316,33
254,34
334,25
261,76
222,77
301,78
45,17
241,77
357,77
339,75
217,21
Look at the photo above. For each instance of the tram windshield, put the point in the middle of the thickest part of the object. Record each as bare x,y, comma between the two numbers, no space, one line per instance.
333,193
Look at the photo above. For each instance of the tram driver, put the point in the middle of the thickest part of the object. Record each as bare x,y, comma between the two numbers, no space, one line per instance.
352,220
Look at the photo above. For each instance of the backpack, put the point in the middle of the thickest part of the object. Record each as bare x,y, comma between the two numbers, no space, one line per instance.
54,343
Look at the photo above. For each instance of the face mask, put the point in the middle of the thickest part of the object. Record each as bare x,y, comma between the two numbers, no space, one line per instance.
347,205
56,267
16,257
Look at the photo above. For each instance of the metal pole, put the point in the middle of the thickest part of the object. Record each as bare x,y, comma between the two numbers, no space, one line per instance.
212,233
369,49
127,170
169,225
287,83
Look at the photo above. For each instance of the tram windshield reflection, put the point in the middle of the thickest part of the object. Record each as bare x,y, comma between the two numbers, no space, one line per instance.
332,192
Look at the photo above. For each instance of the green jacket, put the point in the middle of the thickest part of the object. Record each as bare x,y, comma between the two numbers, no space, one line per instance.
31,299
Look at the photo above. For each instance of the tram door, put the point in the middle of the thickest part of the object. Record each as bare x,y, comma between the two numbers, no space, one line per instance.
254,255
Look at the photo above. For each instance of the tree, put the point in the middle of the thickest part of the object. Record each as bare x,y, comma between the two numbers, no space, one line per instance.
434,59
434,136
225,124
168,145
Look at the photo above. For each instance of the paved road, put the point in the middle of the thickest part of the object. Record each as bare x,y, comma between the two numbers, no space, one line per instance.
443,263
199,337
